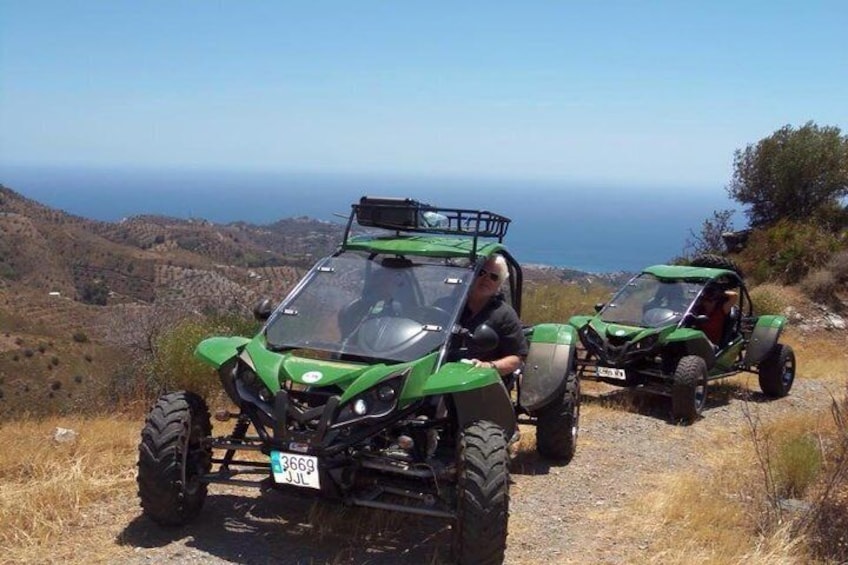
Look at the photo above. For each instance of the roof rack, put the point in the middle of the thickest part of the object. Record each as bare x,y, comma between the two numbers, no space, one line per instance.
409,215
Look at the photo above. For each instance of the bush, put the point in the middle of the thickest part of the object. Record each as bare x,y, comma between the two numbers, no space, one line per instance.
80,337
787,251
556,302
174,365
820,286
768,299
796,466
838,265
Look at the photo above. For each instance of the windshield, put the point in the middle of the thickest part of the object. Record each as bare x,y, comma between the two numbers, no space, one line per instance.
647,301
384,307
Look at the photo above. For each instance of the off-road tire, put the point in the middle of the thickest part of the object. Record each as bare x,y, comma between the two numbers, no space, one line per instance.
479,535
777,371
713,261
689,389
557,424
171,458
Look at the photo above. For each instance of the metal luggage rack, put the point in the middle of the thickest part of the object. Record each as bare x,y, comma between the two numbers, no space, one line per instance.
408,215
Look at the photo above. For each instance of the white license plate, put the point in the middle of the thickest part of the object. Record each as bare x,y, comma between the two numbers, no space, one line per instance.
294,469
610,373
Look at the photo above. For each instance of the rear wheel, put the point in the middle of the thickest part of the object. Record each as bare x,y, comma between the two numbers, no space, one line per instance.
483,494
172,458
777,371
557,424
689,389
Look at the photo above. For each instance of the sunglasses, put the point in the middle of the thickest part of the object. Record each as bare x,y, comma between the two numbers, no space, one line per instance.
493,276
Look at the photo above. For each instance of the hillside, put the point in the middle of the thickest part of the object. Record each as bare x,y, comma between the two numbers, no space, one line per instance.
79,298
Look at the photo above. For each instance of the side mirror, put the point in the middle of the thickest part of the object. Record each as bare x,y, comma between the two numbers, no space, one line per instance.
484,338
735,313
262,310
600,306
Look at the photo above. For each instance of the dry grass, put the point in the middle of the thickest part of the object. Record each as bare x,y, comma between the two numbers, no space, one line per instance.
48,489
821,356
727,515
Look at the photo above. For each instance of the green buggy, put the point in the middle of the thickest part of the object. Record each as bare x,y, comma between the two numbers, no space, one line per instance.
355,388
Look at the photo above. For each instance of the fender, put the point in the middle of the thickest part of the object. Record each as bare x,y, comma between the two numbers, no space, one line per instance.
550,360
216,351
694,343
764,337
476,393
490,403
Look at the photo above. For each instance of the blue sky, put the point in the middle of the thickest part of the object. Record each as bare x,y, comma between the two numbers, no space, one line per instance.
629,93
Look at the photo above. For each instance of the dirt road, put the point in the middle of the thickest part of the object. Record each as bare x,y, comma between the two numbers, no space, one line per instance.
558,514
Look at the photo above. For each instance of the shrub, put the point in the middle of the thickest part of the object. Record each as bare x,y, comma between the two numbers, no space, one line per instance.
768,299
28,353
838,265
87,357
78,379
796,465
787,251
80,337
174,365
821,286
554,302
55,385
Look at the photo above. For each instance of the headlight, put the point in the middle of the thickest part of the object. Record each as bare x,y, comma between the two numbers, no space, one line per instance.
591,339
647,342
376,402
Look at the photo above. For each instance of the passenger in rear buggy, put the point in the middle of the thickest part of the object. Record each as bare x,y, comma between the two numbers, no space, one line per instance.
716,304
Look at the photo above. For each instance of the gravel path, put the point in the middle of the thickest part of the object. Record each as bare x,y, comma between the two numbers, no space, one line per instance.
558,514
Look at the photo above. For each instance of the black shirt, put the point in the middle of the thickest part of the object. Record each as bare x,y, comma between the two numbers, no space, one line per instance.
499,316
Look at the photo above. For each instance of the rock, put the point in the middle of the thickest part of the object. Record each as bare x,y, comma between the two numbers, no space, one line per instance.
64,435
793,505
835,321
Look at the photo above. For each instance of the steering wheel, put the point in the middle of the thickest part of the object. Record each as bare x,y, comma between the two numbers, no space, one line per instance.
386,336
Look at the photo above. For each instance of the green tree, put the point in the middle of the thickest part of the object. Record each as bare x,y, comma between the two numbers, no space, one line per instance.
794,174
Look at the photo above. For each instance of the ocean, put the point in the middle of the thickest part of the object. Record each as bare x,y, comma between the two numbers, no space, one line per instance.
591,228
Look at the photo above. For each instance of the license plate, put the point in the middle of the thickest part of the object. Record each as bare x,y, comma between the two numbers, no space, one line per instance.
610,373
294,469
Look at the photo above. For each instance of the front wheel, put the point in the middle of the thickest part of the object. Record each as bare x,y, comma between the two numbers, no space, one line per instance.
173,457
482,512
689,389
777,371
557,424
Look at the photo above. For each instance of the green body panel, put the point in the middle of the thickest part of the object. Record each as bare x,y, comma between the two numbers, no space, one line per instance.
554,333
431,246
728,357
266,364
216,351
684,334
331,372
579,321
459,377
770,321
632,333
685,272
371,375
